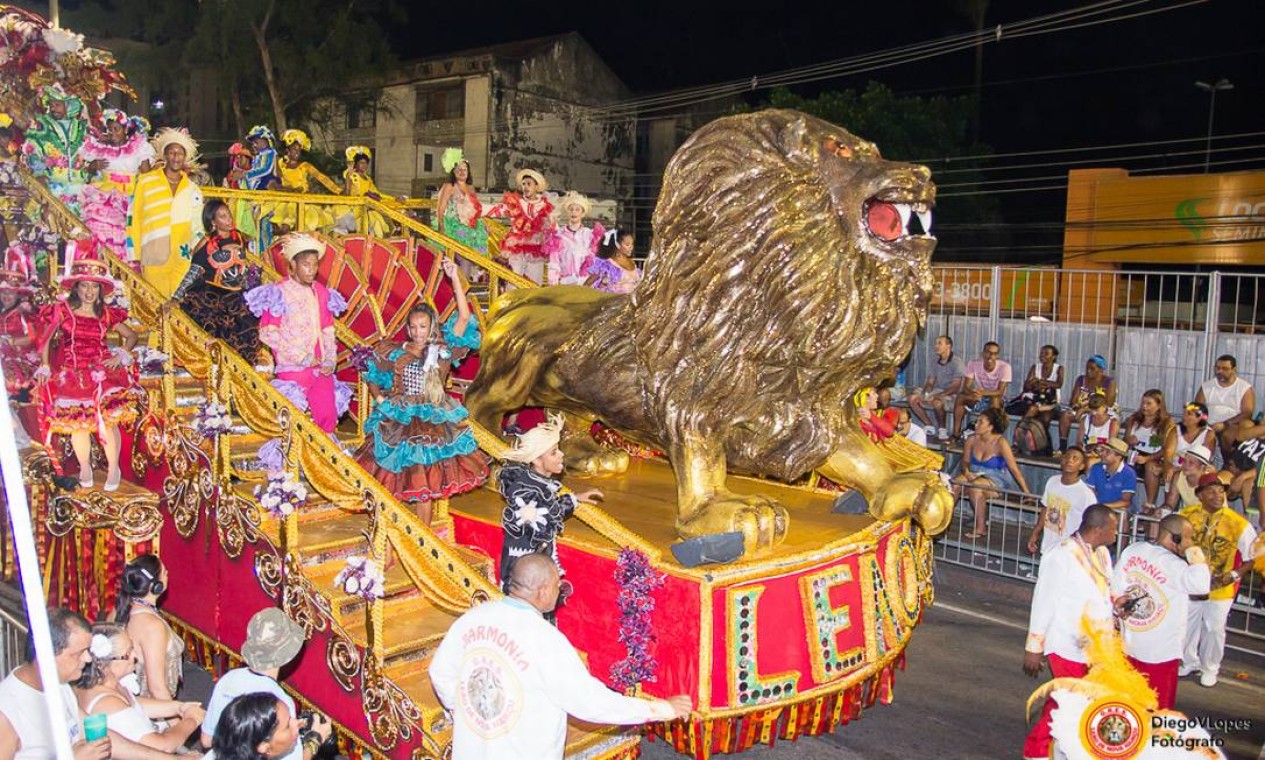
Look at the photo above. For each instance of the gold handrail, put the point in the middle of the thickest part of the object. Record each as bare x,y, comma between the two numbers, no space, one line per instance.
496,230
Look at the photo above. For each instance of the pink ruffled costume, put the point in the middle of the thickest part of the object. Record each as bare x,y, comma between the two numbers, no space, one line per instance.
572,252
297,323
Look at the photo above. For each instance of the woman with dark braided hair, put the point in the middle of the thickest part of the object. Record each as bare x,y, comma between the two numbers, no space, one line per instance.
212,290
416,440
159,651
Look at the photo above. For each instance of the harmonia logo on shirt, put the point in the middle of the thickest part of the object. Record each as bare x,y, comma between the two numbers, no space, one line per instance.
1145,583
491,696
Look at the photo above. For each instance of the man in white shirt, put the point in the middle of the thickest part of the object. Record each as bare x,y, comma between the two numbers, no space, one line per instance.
1062,504
1152,585
272,641
905,427
1074,583
1231,401
510,678
25,732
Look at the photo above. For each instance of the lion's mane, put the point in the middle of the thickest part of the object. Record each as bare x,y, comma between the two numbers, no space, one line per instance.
761,309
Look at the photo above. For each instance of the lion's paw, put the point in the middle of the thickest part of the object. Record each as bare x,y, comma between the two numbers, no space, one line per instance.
761,521
599,461
923,495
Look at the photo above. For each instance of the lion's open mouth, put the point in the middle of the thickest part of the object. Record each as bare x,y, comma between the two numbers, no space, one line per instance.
891,220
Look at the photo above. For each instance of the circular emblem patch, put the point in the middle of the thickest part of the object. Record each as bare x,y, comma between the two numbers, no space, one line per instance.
1113,730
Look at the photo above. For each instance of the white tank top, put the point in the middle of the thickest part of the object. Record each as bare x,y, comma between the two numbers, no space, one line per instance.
1096,434
24,707
131,722
1148,441
1183,445
1223,403
1053,378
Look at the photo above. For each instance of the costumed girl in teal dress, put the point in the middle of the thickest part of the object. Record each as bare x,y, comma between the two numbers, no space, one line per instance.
417,443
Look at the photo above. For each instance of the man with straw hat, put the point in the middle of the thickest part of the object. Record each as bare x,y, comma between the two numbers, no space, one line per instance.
531,218
166,212
535,506
296,321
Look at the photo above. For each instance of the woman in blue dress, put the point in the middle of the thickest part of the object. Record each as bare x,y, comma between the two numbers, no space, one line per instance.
417,441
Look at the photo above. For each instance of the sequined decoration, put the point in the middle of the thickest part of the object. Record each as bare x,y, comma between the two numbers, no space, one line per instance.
747,687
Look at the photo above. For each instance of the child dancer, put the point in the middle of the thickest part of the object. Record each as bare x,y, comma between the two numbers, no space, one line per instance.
531,220
534,507
296,320
572,248
416,440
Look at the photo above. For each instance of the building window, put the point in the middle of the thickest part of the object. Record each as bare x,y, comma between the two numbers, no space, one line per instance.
361,117
428,162
441,104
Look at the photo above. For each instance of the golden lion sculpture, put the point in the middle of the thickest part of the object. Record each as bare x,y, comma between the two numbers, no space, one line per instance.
787,271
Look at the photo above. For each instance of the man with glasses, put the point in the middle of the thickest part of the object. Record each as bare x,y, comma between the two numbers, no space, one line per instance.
1152,585
985,385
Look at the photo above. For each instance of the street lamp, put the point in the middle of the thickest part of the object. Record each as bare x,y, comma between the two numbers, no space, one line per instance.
1212,89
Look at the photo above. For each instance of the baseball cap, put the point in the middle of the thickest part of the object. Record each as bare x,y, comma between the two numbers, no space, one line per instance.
272,640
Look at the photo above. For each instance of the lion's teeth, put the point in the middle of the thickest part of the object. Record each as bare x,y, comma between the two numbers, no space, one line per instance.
905,211
924,216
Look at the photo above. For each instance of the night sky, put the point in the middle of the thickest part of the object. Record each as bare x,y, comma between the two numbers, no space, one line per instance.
1129,81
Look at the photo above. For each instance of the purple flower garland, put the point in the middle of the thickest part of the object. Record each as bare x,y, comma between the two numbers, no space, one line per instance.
637,584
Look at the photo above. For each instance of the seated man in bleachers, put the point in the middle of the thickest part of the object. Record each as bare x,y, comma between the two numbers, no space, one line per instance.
984,387
1231,401
944,381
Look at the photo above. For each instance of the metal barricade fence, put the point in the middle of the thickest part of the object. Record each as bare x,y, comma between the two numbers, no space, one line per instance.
13,629
1155,329
1003,551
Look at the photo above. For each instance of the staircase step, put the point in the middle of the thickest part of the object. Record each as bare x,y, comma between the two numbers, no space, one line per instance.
414,628
347,606
414,680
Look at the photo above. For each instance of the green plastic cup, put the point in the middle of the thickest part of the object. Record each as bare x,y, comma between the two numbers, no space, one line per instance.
94,727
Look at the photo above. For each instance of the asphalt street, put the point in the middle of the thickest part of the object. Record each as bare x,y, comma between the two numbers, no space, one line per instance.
963,691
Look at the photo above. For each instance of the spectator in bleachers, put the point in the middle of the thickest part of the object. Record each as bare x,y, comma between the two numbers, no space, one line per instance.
1114,482
1042,388
1097,426
1094,381
1196,463
1240,473
906,427
984,386
1145,431
1063,502
988,467
944,381
1192,431
1230,399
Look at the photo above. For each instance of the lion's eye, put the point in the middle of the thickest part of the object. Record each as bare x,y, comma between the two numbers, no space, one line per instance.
839,149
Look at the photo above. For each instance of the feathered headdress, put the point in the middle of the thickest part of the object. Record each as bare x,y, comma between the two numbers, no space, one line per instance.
450,158
291,136
536,442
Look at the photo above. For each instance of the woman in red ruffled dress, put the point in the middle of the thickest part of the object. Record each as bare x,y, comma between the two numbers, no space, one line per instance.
94,388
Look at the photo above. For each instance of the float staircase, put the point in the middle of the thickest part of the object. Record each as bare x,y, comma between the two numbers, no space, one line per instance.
347,513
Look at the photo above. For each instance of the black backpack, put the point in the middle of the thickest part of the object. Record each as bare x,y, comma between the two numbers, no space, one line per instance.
1032,438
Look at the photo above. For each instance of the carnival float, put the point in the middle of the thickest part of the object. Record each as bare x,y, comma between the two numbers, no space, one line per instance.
784,277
